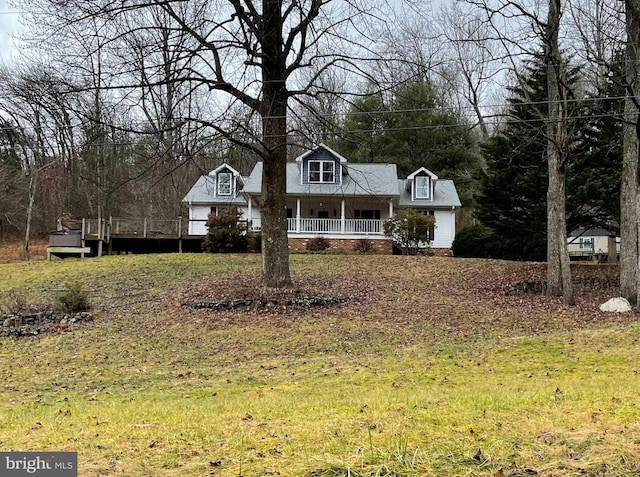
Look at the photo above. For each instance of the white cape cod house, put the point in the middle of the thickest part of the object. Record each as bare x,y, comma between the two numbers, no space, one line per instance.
328,196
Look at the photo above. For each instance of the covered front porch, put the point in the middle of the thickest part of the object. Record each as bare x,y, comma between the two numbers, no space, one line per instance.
331,216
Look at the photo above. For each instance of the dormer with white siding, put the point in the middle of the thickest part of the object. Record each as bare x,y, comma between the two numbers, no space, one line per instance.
227,182
420,184
321,165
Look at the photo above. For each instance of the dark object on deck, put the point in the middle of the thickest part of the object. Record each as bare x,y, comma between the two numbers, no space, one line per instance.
65,238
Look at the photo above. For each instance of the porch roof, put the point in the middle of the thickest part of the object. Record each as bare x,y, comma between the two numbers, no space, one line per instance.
444,195
358,180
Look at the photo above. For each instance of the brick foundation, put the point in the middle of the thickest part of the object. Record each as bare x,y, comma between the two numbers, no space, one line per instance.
380,247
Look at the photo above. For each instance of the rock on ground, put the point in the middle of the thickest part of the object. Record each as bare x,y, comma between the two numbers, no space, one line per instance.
616,305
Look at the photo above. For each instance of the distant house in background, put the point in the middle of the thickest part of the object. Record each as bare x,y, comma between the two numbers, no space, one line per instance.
595,243
329,197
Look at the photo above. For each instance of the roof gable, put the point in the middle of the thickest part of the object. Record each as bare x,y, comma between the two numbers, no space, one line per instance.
320,149
224,168
422,171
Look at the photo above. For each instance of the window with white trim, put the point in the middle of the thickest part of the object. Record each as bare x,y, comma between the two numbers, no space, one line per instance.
225,183
422,187
586,243
322,172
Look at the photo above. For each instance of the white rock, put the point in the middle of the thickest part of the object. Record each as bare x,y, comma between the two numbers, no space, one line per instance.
616,305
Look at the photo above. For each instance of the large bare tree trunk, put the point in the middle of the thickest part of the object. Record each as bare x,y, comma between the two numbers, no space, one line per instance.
275,245
558,267
628,208
629,218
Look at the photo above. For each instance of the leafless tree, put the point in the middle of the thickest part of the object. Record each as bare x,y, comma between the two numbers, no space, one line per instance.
520,25
597,26
558,268
238,52
476,61
630,190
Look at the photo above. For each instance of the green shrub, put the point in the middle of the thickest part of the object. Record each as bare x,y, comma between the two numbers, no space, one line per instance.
479,241
412,231
473,241
74,299
227,234
318,244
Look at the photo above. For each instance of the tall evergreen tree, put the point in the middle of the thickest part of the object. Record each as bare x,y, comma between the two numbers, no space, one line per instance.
513,198
598,166
414,128
514,187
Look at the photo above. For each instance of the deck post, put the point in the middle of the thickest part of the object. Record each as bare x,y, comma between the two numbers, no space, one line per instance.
83,231
342,218
100,225
144,227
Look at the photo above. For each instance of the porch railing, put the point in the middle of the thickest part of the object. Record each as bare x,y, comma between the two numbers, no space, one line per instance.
335,226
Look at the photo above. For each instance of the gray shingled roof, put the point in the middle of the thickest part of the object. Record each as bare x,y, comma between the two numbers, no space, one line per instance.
444,195
360,180
203,193
591,232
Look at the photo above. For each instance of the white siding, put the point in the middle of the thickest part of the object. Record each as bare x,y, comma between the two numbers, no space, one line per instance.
444,232
198,215
600,245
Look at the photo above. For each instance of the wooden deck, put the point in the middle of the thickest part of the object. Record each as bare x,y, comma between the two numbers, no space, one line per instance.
137,235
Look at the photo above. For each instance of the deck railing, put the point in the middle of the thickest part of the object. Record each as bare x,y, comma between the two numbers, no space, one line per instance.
143,227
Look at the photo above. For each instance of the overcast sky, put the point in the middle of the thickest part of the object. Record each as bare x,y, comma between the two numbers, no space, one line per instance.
8,24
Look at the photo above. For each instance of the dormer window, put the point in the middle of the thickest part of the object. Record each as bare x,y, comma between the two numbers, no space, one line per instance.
225,183
322,172
420,184
422,187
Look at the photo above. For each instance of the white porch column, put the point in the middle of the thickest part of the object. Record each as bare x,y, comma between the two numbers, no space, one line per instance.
390,208
298,215
342,218
249,213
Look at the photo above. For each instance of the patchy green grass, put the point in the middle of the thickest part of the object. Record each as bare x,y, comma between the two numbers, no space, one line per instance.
429,370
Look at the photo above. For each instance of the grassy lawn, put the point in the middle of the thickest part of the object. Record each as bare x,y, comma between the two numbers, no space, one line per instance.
430,368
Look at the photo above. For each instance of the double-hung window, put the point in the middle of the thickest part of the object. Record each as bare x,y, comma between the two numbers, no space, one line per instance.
322,171
225,183
422,187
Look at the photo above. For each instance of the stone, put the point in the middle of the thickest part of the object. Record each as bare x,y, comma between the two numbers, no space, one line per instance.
8,322
616,305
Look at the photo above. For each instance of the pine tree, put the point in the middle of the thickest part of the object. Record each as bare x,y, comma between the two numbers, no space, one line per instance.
413,128
598,165
513,198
